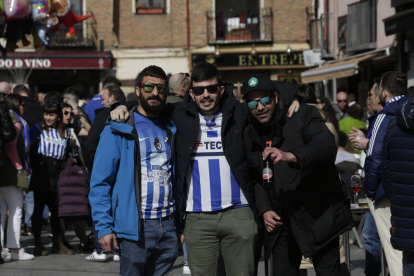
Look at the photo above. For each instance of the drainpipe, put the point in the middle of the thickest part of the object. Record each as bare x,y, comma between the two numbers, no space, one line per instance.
188,26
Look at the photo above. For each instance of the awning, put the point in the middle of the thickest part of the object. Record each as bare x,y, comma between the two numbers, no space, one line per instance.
57,60
337,69
399,22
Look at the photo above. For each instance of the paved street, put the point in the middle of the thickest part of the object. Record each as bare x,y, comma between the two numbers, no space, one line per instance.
62,265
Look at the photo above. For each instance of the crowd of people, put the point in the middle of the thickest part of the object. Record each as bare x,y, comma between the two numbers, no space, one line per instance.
180,163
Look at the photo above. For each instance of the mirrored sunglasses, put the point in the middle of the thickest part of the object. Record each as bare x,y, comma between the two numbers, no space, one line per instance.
263,101
149,87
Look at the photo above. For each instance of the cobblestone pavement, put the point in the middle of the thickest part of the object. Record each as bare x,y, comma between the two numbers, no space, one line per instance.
63,265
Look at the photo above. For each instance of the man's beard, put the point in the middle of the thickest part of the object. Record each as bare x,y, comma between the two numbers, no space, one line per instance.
151,109
271,120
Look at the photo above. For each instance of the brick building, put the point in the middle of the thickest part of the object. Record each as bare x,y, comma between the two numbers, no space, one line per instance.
240,36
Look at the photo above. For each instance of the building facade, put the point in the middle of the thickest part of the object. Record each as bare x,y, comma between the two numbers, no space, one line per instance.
350,47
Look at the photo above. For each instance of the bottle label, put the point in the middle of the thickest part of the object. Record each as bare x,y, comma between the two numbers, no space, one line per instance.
267,173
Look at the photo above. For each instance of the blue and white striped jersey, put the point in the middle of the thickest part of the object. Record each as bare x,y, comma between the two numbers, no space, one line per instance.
156,188
210,182
52,145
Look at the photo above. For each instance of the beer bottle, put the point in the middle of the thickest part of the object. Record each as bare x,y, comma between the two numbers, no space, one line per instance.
268,177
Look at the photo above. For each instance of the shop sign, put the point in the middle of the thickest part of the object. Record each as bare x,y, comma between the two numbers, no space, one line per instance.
56,61
262,59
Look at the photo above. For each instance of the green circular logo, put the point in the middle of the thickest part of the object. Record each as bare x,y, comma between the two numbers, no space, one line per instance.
253,82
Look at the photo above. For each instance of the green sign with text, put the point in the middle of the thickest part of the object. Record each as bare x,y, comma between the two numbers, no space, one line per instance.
246,60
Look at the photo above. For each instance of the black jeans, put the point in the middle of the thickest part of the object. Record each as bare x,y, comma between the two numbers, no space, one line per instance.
40,200
287,257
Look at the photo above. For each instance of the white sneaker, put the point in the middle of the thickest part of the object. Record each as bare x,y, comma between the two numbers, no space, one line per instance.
186,270
6,255
117,258
21,256
96,257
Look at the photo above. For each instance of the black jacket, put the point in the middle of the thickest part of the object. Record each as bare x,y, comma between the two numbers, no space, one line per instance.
235,115
309,194
33,114
398,175
92,141
7,131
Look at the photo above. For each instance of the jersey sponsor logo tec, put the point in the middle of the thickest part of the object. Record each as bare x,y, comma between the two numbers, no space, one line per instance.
56,141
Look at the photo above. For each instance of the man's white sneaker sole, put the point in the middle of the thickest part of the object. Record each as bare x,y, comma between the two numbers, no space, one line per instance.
117,258
95,257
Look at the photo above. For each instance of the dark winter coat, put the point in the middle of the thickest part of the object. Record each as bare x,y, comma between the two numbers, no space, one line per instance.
73,191
398,175
309,194
7,132
92,141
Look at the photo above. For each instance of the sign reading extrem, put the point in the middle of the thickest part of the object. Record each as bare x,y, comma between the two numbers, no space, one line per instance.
263,60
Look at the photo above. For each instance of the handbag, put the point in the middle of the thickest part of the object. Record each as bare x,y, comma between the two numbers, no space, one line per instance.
22,181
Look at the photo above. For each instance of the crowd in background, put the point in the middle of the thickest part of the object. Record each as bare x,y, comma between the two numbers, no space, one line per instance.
48,143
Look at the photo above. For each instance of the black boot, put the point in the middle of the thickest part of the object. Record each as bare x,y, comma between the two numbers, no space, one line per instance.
39,250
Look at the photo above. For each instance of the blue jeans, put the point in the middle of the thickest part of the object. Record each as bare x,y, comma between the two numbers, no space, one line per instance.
372,246
185,254
408,263
154,253
29,207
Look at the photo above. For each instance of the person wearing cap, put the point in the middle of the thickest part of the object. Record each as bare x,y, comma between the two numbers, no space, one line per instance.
307,211
215,193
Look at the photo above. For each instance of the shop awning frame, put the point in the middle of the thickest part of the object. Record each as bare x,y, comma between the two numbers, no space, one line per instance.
341,68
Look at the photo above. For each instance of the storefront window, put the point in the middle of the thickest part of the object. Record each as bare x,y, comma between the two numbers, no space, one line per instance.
237,19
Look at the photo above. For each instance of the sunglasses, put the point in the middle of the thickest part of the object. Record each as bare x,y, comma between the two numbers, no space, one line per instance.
263,101
342,101
149,87
199,90
67,112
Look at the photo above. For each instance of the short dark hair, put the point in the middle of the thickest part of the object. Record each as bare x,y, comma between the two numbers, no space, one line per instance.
111,80
21,88
132,97
13,102
151,71
205,71
54,107
65,105
377,88
410,91
395,83
307,93
53,97
356,111
119,95
327,108
342,139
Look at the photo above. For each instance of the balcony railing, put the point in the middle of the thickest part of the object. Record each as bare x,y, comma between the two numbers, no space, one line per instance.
361,26
230,30
85,34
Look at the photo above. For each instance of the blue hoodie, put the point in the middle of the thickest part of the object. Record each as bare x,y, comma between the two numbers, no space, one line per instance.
115,194
372,168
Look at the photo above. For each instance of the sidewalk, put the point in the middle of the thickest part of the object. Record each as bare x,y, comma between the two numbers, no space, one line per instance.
63,265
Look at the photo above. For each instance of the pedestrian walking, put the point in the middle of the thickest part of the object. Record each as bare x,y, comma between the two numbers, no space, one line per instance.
393,87
49,147
131,195
14,180
110,96
305,210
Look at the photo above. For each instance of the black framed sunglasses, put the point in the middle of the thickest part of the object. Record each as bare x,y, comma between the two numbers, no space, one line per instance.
149,87
263,101
67,112
342,101
199,90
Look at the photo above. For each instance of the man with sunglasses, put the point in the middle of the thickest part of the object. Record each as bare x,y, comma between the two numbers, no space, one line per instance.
342,105
132,183
178,85
305,211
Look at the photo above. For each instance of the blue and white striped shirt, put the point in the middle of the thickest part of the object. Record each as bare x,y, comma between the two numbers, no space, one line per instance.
156,188
52,145
210,182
